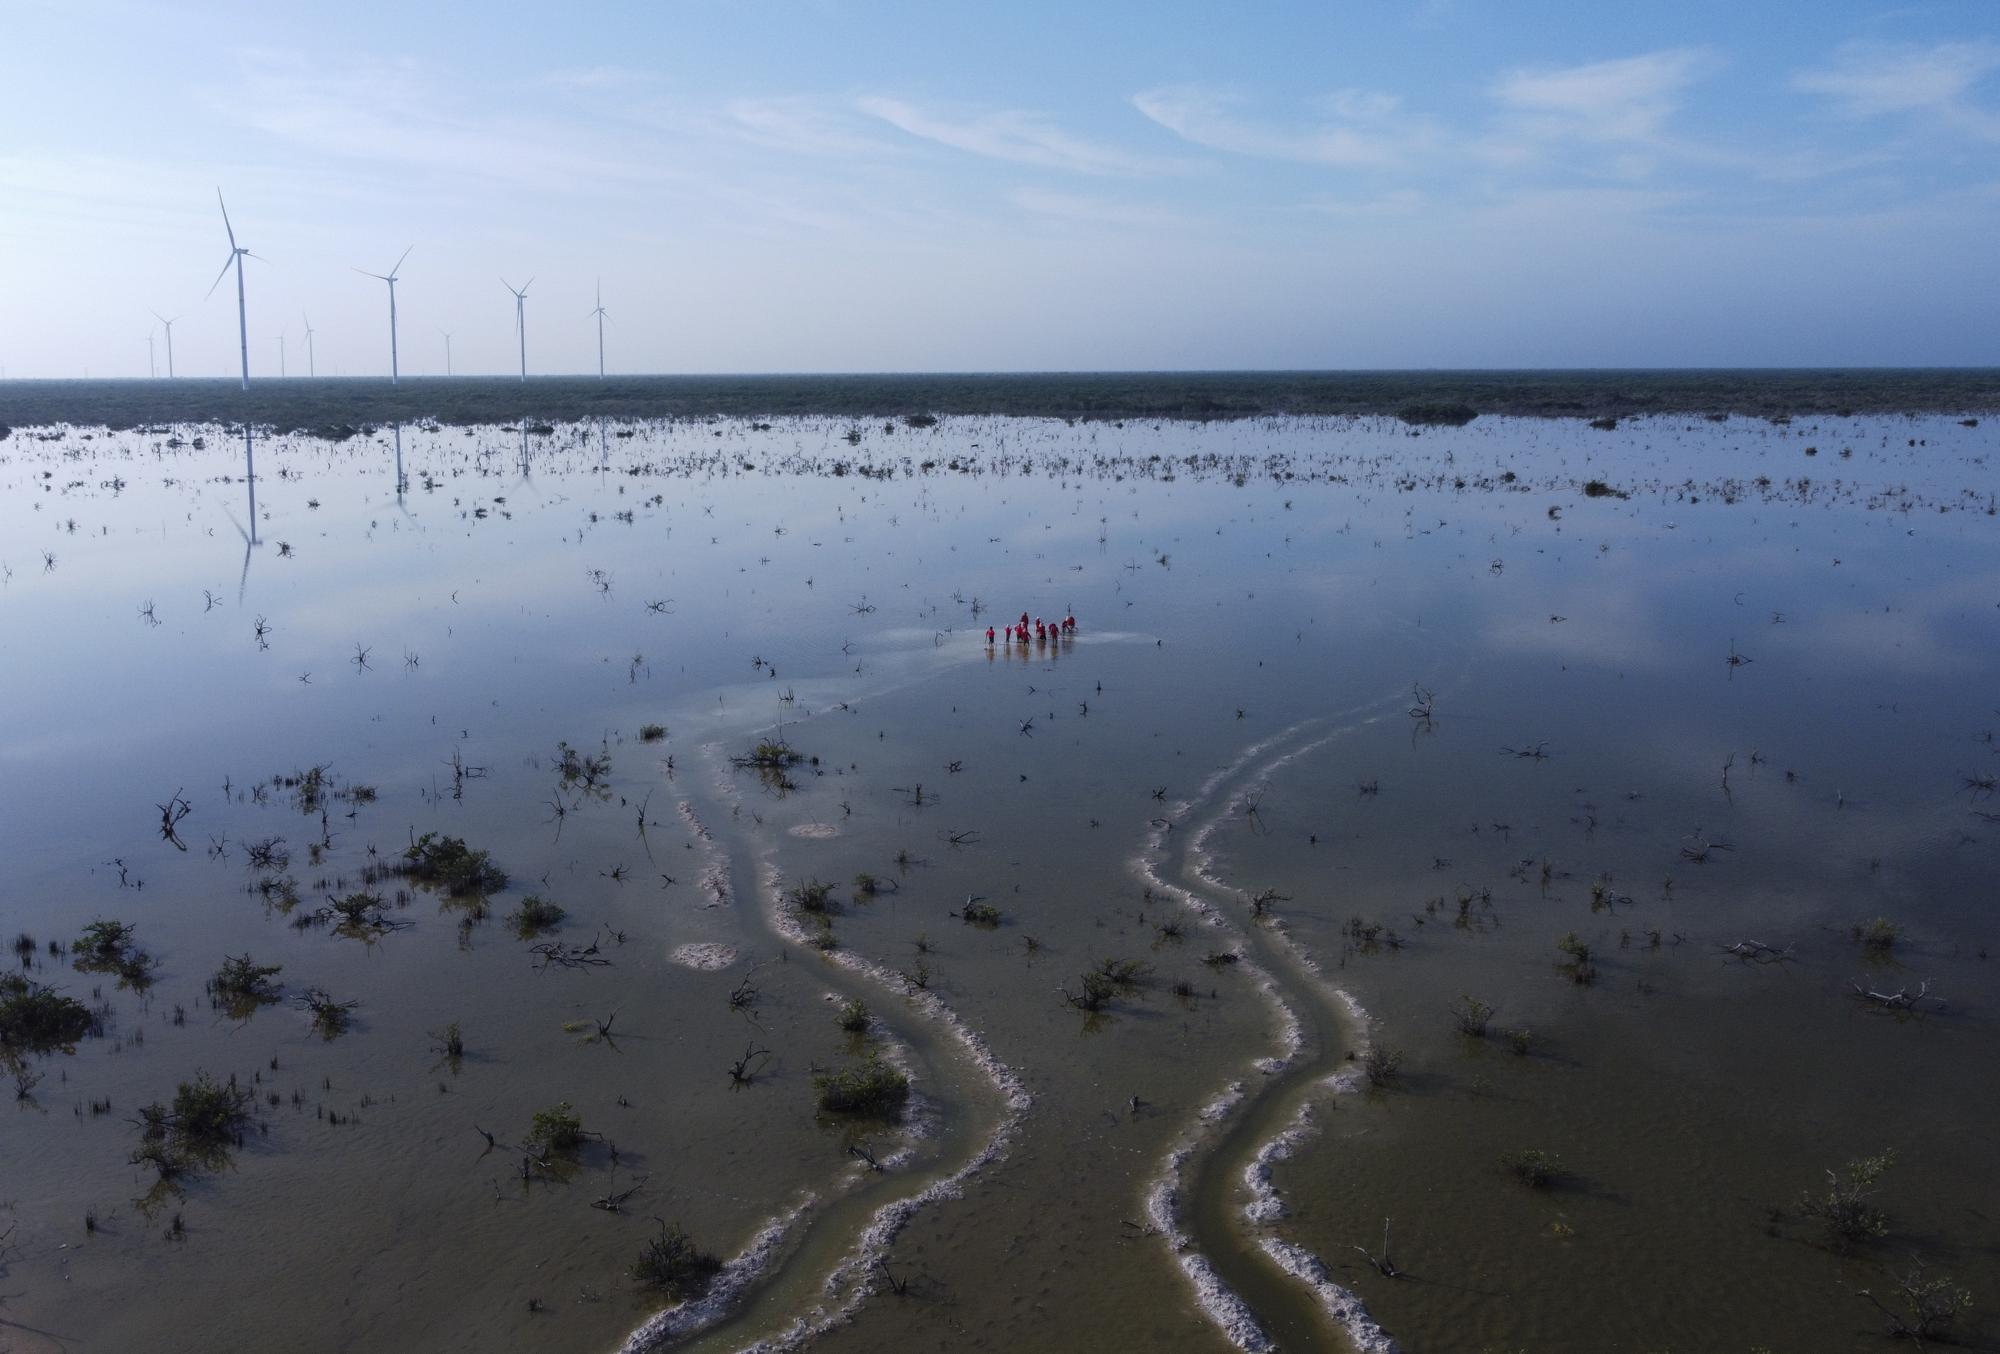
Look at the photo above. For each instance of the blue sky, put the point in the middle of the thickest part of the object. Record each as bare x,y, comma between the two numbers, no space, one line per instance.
826,185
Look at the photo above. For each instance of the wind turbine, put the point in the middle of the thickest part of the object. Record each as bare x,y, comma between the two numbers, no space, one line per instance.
169,325
312,368
447,350
151,370
281,354
390,278
521,318
236,254
599,313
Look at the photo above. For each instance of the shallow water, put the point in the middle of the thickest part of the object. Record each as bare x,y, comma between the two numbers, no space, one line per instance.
1257,602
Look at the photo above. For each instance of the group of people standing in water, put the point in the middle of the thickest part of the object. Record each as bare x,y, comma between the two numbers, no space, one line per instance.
1043,631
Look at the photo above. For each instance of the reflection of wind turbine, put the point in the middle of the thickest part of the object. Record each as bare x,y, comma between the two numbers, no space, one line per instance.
236,255
250,483
447,350
168,325
390,278
312,368
521,318
599,313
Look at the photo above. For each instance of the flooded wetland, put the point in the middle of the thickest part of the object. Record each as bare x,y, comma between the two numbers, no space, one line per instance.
594,885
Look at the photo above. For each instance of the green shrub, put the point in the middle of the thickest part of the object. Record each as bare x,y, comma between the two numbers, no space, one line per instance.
553,1130
1382,1065
239,979
1846,1208
1533,1167
534,916
672,1264
36,1019
872,1087
813,896
448,863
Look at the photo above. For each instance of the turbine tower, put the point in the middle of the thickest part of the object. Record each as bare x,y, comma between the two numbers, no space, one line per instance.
312,368
236,256
447,350
151,370
168,325
521,318
281,354
390,278
599,313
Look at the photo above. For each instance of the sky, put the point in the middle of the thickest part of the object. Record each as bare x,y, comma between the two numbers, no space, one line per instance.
930,185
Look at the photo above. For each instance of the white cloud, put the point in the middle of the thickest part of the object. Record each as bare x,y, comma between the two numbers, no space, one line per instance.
589,78
1629,99
1020,137
1359,129
1402,202
1874,79
400,113
1094,210
800,126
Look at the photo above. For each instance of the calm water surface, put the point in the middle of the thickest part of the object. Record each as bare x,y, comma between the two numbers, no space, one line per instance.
1219,777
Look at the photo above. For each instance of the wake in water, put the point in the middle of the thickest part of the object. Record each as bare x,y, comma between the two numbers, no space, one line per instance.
853,1278
1202,886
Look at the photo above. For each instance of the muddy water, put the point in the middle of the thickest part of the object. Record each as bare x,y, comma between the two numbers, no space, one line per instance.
1257,601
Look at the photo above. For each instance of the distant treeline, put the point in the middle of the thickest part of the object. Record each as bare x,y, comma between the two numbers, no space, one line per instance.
1420,396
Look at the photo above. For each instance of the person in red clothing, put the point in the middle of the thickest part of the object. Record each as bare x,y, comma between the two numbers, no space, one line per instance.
989,634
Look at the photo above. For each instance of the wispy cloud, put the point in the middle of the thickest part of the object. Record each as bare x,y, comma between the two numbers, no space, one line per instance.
620,78
1095,210
1020,137
1353,129
399,113
1629,99
801,126
1876,79
1397,202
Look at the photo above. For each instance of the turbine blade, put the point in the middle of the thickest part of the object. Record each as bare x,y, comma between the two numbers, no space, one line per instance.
225,218
219,276
365,273
399,262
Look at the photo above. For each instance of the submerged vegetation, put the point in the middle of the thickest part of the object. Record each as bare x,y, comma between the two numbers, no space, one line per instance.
672,1265
204,1120
447,863
554,1131
871,1087
35,1018
112,947
1846,1205
535,916
1036,775
241,985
